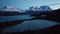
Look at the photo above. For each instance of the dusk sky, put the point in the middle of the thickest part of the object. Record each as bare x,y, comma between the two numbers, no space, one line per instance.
25,4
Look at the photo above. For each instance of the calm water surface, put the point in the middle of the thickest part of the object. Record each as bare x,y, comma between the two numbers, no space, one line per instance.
12,18
26,25
30,25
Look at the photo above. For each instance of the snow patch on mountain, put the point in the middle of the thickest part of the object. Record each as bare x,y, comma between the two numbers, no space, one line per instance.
42,8
10,8
45,8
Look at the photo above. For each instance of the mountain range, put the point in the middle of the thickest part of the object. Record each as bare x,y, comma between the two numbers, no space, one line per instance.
11,10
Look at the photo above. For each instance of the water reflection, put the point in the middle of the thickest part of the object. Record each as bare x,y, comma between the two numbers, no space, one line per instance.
30,25
12,18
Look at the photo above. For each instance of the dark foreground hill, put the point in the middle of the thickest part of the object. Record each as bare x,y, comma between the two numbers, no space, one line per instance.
54,16
10,23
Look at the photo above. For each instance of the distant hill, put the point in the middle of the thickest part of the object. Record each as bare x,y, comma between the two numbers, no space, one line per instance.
30,12
9,13
12,13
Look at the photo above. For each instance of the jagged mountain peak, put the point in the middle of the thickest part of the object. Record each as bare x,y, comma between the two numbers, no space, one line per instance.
10,8
45,8
42,8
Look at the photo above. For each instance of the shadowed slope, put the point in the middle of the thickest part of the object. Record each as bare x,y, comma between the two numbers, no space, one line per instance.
10,23
54,16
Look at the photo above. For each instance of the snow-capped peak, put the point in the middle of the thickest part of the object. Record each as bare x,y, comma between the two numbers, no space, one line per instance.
32,8
45,8
42,8
10,8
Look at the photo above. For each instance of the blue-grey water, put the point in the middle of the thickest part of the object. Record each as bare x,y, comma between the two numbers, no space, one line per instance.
12,18
26,25
30,25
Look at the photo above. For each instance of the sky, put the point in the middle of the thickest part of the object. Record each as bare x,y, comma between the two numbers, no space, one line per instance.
25,4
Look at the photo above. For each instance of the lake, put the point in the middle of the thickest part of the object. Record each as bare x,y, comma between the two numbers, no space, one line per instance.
26,25
13,18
